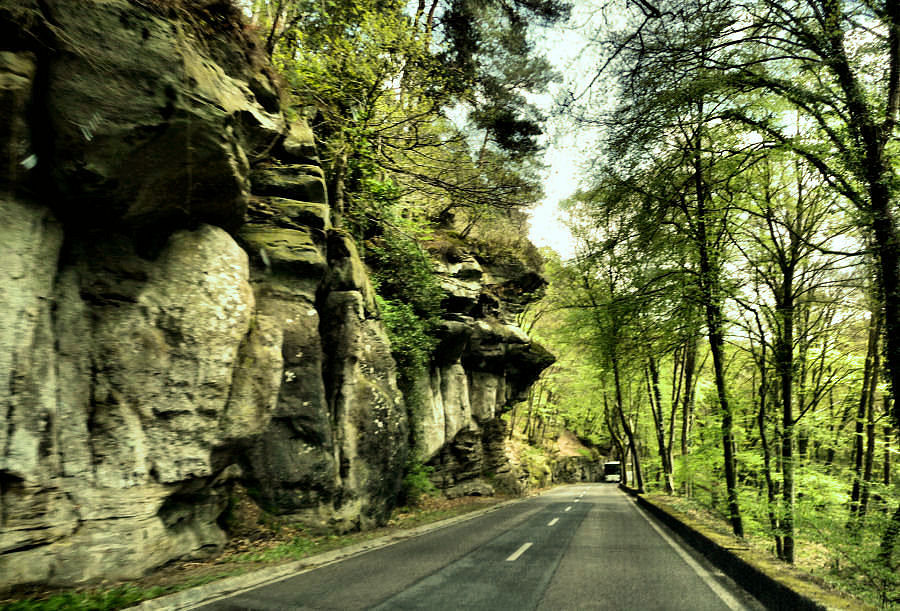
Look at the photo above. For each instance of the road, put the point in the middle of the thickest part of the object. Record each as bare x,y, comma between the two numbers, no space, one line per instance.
584,546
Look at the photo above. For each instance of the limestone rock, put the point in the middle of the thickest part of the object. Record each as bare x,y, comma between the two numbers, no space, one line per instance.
299,182
168,346
289,213
368,409
174,321
142,122
475,487
300,145
17,72
346,270
30,242
292,463
292,251
257,379
482,365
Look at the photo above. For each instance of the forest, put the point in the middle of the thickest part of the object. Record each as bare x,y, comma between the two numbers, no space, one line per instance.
729,322
729,326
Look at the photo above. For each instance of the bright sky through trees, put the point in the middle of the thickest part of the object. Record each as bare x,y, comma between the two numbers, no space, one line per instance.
569,147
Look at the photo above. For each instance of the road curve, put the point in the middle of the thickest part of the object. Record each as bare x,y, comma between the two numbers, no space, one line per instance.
585,546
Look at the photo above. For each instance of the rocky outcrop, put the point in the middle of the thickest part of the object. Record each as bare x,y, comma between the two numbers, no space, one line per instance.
179,314
483,365
178,311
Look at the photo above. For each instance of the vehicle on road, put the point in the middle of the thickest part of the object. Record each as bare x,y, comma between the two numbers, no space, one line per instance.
612,471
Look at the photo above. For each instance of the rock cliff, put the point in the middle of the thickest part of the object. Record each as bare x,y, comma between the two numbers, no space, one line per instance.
484,364
179,313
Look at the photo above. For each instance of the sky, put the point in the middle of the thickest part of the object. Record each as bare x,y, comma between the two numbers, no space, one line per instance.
568,49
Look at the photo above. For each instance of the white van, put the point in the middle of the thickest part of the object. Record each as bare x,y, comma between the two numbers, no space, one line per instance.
612,471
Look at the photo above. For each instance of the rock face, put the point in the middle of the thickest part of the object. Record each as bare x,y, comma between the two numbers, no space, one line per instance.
177,312
483,364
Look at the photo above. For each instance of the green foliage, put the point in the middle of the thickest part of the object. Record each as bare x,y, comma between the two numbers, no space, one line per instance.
411,340
416,484
119,597
537,464
403,272
376,83
409,298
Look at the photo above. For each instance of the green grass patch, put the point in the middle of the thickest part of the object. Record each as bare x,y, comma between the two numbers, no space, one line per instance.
108,599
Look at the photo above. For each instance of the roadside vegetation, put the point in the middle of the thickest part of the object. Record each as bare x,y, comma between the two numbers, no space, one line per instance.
729,326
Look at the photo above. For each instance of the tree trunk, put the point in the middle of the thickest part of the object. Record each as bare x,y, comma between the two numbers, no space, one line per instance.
784,365
617,440
629,433
512,419
429,22
716,347
869,379
656,397
888,438
889,541
338,189
767,465
687,413
529,420
886,240
832,430
869,461
711,295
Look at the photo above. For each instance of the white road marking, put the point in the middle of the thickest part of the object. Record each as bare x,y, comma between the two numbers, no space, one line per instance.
569,508
576,500
553,521
515,555
730,601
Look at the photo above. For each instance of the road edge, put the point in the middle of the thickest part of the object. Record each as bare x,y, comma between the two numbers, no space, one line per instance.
192,598
770,589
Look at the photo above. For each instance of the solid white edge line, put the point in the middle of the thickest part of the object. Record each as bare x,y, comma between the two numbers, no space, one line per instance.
721,592
553,521
515,555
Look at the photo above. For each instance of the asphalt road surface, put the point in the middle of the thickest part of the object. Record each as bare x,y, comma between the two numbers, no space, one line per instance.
585,546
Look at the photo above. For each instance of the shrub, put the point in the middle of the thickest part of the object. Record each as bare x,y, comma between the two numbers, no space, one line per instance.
417,483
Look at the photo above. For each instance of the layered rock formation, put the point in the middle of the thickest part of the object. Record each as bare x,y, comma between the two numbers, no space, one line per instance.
179,313
154,344
484,364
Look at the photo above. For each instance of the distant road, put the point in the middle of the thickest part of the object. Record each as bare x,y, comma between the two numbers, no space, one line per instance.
584,546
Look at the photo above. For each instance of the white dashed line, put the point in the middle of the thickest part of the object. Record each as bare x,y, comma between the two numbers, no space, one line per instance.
553,521
515,555
569,508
